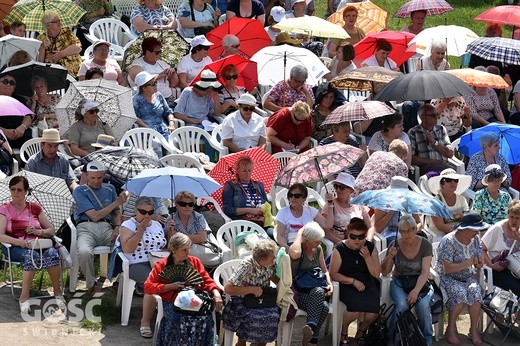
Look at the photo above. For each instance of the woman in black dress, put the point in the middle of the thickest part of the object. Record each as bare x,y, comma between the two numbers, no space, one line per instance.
355,265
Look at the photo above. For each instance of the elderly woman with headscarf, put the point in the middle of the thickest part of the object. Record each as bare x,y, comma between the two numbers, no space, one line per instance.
457,259
489,155
492,202
87,128
59,45
448,188
287,92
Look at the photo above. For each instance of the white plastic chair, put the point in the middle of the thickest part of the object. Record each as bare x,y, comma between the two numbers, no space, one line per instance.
125,290
189,139
282,201
102,251
114,52
146,139
181,161
111,30
29,148
227,233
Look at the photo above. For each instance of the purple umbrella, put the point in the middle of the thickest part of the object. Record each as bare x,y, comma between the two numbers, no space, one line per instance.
12,107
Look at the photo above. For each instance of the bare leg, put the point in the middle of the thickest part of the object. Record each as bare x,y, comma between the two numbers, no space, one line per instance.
451,329
54,273
241,342
27,278
149,305
348,318
474,314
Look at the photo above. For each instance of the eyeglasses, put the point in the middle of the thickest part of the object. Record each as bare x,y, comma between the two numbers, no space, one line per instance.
297,80
157,51
294,195
248,109
54,21
151,84
8,82
296,119
357,236
144,212
93,110
339,186
449,180
186,204
230,77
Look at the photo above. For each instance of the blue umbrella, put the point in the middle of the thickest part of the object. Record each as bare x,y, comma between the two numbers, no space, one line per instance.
508,136
402,200
166,182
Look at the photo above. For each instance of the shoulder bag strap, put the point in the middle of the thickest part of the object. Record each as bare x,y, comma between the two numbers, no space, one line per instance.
96,197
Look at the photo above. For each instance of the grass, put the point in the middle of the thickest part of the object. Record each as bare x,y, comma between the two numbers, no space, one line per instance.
463,13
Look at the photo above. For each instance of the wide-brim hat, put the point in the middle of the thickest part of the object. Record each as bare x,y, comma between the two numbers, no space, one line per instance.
51,136
104,140
434,183
143,77
208,79
99,43
345,179
200,40
247,100
284,38
472,220
493,169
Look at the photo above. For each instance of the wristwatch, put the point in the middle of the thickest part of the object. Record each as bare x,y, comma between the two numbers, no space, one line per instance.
436,143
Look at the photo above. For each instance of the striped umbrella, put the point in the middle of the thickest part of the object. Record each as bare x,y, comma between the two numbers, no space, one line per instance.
265,169
505,50
31,13
432,7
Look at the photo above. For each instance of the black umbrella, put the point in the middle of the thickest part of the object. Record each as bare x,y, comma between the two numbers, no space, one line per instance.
423,85
55,75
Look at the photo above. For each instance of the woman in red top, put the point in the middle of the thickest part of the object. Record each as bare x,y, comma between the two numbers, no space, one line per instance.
20,222
178,328
290,129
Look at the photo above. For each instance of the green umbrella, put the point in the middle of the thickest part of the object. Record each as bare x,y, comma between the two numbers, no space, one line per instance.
31,13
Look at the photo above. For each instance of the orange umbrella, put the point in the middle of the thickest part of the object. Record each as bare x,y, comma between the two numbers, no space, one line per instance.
5,8
479,78
371,18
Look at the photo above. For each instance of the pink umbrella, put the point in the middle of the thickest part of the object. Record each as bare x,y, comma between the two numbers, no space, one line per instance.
12,107
318,163
353,111
432,7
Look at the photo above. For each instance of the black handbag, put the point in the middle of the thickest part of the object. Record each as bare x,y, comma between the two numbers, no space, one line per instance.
308,279
377,333
208,303
408,332
6,159
408,282
266,300
201,30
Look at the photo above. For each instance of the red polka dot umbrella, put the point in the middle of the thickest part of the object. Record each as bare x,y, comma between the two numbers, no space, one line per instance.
264,170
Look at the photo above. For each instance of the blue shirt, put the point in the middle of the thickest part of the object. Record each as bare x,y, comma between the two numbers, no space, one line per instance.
193,106
60,167
86,201
155,115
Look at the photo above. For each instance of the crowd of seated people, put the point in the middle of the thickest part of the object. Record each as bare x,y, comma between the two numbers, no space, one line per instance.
164,93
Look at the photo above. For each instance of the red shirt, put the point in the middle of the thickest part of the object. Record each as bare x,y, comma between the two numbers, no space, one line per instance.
287,130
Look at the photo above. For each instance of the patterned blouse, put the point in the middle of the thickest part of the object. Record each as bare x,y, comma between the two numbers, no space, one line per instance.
291,95
49,113
451,117
196,223
486,105
155,114
65,39
158,16
250,273
492,210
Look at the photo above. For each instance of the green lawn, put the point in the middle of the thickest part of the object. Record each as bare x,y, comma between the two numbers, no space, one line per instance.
463,13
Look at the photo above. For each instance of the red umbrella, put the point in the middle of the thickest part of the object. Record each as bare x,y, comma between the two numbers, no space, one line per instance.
398,39
432,7
508,15
266,167
5,8
247,72
250,32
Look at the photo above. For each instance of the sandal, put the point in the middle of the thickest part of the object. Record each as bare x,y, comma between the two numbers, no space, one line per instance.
360,340
344,340
146,332
25,307
307,334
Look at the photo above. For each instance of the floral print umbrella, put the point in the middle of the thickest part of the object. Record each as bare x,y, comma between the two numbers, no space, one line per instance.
318,163
174,47
402,200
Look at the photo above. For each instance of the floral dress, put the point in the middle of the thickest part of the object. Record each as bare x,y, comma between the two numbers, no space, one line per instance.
477,167
46,115
492,210
451,117
459,287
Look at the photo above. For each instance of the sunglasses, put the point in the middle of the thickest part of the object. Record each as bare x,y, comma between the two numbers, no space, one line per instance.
151,84
205,47
236,46
294,195
248,109
230,77
144,212
357,236
157,51
186,204
93,110
339,187
449,180
8,82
